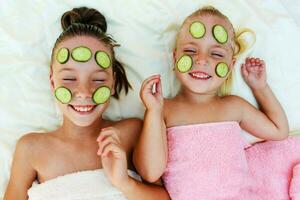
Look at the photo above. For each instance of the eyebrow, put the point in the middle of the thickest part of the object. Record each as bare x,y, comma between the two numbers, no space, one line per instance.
213,46
70,69
66,69
191,43
220,46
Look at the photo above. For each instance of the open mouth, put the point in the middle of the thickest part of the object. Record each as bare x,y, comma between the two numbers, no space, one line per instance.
199,75
83,109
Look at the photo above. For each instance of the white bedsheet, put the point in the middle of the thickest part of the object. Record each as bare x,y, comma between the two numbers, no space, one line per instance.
146,31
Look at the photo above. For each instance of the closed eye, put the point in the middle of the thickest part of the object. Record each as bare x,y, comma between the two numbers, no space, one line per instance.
69,79
217,55
98,80
189,51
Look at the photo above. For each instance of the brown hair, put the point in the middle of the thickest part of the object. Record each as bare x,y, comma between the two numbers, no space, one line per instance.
238,47
90,22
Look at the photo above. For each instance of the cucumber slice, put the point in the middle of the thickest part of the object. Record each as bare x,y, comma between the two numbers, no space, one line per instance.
220,34
102,59
81,54
63,95
197,29
101,95
184,63
222,69
62,55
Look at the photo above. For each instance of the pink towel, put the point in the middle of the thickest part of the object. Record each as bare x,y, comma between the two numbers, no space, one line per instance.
206,161
271,166
209,161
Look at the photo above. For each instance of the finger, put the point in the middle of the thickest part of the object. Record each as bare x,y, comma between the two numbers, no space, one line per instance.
159,88
149,86
110,135
148,79
104,143
244,71
109,131
110,128
262,63
112,148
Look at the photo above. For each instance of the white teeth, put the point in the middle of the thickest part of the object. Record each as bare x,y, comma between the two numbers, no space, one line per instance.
200,75
83,109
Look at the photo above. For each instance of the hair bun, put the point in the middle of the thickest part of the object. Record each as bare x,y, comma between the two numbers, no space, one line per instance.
84,15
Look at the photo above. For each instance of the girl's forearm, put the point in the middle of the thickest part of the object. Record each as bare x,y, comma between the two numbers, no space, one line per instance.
269,105
136,190
150,156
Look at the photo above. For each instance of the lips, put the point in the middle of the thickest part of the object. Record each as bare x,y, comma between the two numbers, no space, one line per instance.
199,75
83,109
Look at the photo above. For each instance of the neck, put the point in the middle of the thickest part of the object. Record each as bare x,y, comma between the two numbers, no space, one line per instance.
73,131
193,97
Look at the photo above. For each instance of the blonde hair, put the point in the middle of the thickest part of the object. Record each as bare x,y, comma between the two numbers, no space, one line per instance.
239,44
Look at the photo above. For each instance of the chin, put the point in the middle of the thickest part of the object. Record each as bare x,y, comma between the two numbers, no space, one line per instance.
82,123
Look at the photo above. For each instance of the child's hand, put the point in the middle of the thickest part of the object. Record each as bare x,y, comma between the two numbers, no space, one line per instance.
113,157
254,73
152,101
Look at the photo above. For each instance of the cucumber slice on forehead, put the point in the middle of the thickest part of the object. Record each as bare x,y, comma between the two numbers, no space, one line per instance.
197,29
102,59
63,95
101,95
62,55
184,63
222,69
220,34
81,54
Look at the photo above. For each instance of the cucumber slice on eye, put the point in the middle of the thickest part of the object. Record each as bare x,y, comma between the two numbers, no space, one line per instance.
184,63
220,34
81,54
222,69
197,29
62,55
102,59
63,95
101,95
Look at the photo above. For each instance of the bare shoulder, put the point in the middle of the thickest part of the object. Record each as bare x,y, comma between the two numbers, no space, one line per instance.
129,125
234,100
234,106
130,130
32,142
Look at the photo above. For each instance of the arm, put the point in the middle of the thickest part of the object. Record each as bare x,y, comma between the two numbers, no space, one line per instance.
270,122
114,164
22,173
136,190
150,155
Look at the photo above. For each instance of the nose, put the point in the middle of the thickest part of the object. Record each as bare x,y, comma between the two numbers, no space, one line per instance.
201,59
83,90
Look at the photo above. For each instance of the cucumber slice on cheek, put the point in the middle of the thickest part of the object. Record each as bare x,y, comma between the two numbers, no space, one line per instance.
62,55
101,95
81,54
197,30
220,34
185,63
102,59
222,69
63,94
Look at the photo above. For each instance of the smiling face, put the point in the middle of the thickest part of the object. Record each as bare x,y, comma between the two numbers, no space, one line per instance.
206,53
82,79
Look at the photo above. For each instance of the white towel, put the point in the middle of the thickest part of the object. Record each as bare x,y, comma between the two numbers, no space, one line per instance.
84,185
